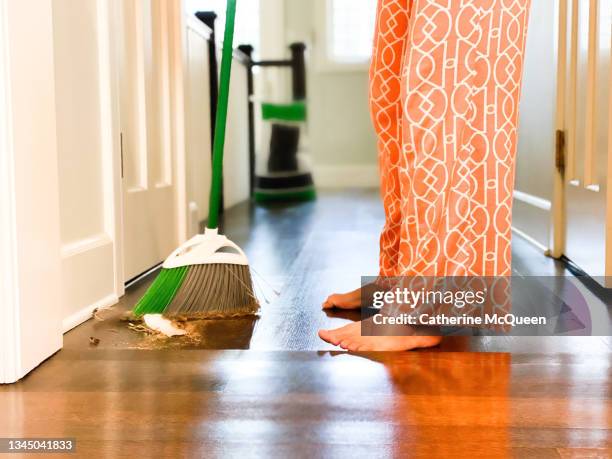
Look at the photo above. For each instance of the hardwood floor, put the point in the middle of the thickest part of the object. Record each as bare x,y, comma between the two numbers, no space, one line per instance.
270,388
306,252
191,403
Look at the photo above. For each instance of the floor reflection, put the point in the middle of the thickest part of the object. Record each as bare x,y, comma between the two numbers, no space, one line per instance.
434,404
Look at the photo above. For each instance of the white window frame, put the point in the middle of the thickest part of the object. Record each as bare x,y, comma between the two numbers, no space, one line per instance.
323,62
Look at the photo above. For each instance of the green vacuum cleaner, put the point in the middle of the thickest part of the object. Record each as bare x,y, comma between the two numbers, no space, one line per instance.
282,169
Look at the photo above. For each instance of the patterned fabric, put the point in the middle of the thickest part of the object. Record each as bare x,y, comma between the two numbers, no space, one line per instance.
444,91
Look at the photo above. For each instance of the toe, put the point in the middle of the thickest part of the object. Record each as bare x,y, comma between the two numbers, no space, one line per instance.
325,335
344,344
342,334
331,336
329,302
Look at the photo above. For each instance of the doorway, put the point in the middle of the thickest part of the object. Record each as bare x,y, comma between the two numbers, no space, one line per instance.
149,184
585,97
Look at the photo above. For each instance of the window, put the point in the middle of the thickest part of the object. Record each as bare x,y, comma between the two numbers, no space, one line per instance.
350,30
247,19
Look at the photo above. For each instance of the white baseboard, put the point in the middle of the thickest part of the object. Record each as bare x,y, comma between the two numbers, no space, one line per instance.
531,240
347,176
532,200
84,314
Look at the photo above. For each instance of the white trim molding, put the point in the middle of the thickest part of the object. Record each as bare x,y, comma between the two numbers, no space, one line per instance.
347,176
177,59
531,240
84,245
534,222
108,21
9,291
84,314
10,336
532,200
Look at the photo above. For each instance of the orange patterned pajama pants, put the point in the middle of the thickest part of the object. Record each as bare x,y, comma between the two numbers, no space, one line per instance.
445,83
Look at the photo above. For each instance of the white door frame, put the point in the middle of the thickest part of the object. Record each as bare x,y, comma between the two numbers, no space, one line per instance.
9,289
177,61
112,138
568,39
558,201
30,265
110,235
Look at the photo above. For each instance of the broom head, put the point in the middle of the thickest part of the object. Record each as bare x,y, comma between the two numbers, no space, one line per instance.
207,277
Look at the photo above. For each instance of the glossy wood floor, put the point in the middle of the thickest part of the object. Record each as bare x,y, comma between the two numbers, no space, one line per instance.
270,388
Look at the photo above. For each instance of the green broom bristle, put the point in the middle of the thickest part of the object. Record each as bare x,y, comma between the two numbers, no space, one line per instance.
161,292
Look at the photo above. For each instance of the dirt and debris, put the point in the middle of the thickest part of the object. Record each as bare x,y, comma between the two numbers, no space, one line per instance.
138,327
103,314
128,316
156,340
119,328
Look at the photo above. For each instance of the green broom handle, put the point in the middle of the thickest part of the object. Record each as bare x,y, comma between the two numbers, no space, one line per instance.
219,142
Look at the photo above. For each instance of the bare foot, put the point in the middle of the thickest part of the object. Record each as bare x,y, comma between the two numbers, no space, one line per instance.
350,300
349,337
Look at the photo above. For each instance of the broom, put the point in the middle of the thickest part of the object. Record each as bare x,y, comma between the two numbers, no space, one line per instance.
208,276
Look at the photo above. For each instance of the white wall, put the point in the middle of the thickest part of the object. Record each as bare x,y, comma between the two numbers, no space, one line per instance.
236,157
197,127
272,82
341,136
197,119
536,144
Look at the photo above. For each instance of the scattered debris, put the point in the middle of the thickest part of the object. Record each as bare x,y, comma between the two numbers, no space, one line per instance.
129,316
140,328
97,313
162,325
96,316
93,341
